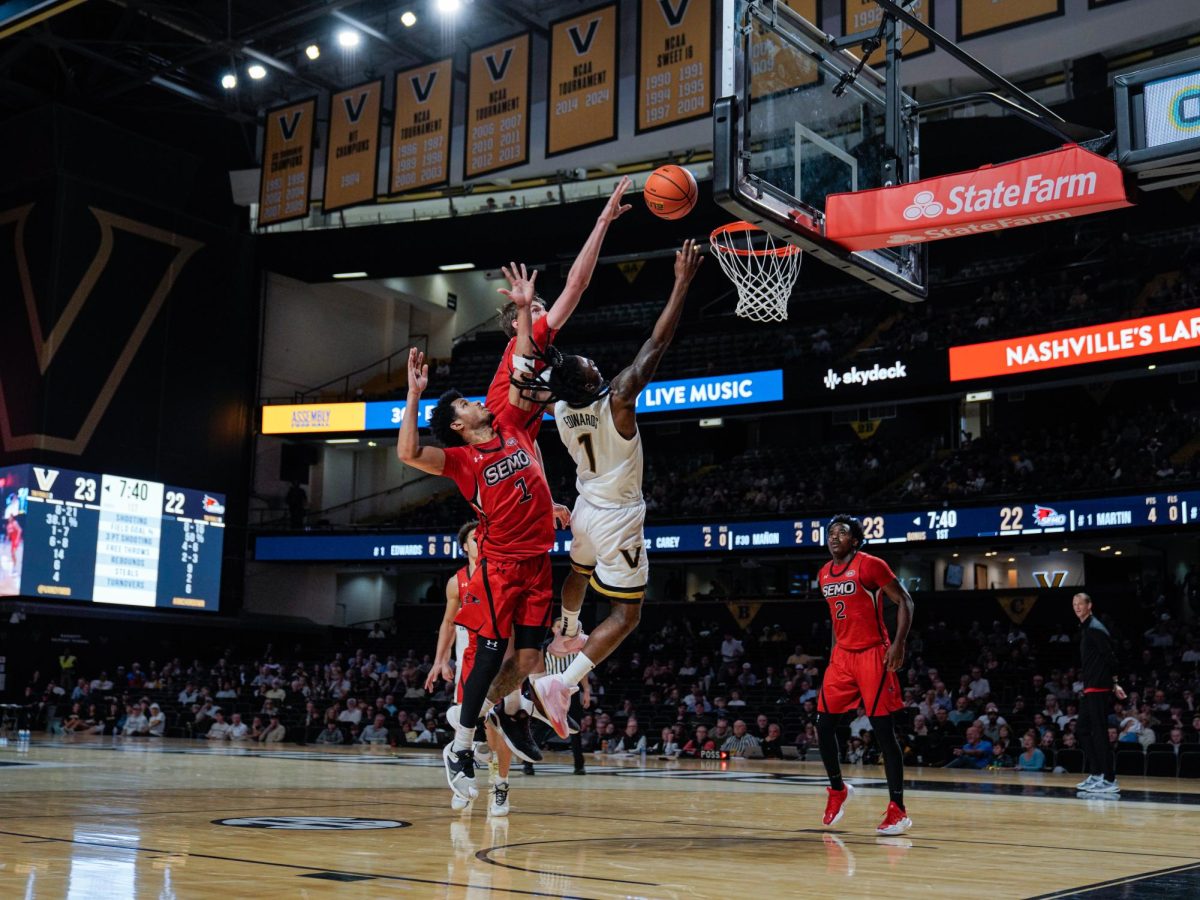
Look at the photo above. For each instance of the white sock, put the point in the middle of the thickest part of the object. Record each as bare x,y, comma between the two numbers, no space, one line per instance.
578,670
570,622
512,703
464,738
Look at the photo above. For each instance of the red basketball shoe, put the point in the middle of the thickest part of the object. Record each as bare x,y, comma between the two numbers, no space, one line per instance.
835,806
895,821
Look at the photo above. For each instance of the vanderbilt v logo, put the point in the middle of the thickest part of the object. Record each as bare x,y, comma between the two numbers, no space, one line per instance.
354,110
497,70
288,125
46,346
422,91
673,14
1050,579
633,557
583,42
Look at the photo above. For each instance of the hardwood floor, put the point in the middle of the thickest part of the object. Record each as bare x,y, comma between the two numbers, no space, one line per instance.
98,818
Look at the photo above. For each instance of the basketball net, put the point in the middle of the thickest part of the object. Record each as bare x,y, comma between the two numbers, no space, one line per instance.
764,275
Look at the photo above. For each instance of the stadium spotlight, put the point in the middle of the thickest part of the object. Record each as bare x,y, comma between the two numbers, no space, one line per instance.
257,72
348,38
229,81
448,7
408,18
312,51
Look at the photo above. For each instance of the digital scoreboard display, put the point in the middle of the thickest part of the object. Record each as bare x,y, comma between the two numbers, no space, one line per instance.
109,539
946,525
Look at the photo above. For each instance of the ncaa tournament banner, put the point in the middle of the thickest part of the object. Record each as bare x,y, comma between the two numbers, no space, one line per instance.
352,146
581,106
864,15
778,66
286,162
497,130
979,17
421,128
674,62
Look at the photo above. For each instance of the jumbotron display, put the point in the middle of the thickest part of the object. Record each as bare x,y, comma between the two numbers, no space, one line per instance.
952,523
109,539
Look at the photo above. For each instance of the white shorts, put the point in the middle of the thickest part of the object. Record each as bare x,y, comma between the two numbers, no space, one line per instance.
608,546
461,637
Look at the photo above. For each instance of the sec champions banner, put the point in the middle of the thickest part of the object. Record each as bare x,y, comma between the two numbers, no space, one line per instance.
352,147
421,133
582,106
498,107
286,162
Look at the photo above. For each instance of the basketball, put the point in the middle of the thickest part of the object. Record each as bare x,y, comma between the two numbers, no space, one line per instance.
671,192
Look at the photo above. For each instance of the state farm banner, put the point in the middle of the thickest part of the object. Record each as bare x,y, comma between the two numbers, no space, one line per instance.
421,126
352,146
1048,187
498,107
1095,343
582,107
286,162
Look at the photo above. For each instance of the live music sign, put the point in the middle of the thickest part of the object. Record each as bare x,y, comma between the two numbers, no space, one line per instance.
1049,187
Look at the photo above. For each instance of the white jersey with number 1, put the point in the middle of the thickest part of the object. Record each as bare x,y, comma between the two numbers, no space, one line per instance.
608,466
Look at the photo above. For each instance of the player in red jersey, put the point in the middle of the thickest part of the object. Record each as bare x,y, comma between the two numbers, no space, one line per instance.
492,458
863,664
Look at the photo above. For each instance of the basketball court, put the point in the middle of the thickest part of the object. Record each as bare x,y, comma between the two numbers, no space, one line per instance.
94,817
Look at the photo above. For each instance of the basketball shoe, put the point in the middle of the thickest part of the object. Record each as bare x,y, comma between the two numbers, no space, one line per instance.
1087,783
835,806
1104,786
483,753
516,733
499,804
895,821
460,771
553,696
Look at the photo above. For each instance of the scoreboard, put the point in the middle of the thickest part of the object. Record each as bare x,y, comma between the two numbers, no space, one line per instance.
927,526
109,539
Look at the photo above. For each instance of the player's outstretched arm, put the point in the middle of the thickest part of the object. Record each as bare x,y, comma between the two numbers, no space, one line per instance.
441,658
898,594
521,292
408,444
630,381
585,263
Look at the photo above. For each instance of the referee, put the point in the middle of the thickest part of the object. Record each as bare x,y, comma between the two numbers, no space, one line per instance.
1099,672
556,665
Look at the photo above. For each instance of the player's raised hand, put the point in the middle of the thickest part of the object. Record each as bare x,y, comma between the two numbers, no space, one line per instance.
614,209
687,262
418,372
520,288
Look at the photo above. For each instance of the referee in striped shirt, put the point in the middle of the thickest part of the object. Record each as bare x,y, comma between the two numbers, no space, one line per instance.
556,665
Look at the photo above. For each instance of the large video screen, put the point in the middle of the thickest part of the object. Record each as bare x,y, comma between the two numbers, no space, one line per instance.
109,539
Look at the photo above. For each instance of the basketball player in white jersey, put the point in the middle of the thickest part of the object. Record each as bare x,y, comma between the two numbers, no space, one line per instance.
456,589
597,423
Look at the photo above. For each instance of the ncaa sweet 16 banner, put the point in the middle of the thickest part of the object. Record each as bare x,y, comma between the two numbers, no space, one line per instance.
1048,187
674,75
352,146
582,106
498,107
286,162
421,129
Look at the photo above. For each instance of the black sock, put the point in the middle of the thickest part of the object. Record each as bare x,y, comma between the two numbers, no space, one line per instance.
893,757
828,744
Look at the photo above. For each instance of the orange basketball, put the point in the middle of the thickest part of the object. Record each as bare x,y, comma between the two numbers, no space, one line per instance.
671,192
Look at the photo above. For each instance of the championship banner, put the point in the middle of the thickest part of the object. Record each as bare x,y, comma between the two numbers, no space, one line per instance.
352,146
980,17
777,66
1048,187
581,106
498,107
421,127
287,162
674,75
1095,343
864,15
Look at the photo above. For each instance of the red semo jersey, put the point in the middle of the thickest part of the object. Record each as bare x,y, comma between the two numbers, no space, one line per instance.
853,590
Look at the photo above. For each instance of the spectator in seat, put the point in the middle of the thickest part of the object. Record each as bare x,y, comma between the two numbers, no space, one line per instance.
742,743
980,688
312,723
351,714
860,723
188,695
219,729
157,723
1031,758
274,733
699,743
991,722
631,741
721,732
135,723
376,732
256,729
238,730
331,735
227,692
772,744
976,753
962,712
731,649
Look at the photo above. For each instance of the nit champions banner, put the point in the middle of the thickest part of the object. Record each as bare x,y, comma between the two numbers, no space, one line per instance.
674,62
1131,337
581,109
498,107
286,162
352,146
421,129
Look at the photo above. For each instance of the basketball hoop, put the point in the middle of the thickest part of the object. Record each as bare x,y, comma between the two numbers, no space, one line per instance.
764,275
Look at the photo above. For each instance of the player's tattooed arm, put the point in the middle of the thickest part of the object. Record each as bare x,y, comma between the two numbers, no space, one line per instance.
408,443
521,292
585,263
898,594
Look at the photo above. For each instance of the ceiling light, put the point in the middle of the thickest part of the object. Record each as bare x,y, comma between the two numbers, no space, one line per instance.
1064,549
408,18
1151,367
348,38
955,555
1106,547
349,274
457,267
229,81
312,51
257,72
342,441
448,7
1011,559
1117,553
372,444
